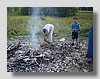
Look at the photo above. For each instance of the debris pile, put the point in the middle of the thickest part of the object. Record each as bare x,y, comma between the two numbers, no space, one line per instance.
56,57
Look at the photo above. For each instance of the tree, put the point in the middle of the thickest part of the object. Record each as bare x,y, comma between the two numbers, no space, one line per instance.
86,8
47,11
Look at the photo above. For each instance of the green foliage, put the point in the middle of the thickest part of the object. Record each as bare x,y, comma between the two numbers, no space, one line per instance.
67,11
17,25
47,11
86,8
19,10
85,20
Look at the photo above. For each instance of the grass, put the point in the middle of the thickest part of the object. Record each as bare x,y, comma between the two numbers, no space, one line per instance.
17,25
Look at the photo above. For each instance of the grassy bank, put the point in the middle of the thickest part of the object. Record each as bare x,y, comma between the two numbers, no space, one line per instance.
17,25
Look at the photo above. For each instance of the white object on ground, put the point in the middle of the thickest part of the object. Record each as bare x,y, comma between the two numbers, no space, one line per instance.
62,39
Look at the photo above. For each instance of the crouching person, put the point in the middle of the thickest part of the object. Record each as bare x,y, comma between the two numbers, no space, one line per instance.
48,31
75,29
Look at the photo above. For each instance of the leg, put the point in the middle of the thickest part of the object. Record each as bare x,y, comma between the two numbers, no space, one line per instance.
77,39
50,35
73,43
73,37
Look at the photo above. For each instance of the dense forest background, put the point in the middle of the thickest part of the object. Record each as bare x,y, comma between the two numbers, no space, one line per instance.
47,11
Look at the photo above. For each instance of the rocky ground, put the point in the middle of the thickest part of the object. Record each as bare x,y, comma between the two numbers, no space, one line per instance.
59,56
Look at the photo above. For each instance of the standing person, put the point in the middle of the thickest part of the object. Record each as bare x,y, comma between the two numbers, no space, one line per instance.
75,29
48,31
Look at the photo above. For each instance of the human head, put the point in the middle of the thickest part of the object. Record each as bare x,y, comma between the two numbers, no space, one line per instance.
75,19
45,31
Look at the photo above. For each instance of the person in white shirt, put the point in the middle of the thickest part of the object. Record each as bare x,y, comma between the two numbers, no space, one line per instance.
48,31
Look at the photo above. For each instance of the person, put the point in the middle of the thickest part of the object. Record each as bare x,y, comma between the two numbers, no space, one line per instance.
75,29
48,31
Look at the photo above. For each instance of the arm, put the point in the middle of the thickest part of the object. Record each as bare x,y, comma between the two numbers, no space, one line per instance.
46,37
79,27
72,28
